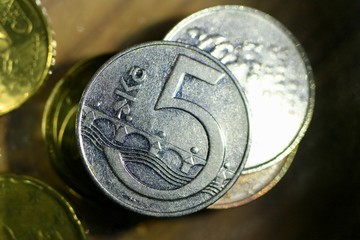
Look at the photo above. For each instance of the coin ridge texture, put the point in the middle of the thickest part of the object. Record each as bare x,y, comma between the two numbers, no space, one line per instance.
26,52
58,125
254,185
33,210
156,132
271,66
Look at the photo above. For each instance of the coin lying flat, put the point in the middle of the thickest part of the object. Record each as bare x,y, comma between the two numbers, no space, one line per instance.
271,66
156,132
29,209
254,185
58,126
26,52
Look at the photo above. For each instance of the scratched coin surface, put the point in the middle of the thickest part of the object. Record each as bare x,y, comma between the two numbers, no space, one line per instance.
271,66
254,185
58,126
26,51
30,209
156,132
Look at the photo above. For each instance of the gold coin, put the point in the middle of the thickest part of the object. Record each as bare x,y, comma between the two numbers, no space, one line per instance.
254,185
30,209
58,126
26,51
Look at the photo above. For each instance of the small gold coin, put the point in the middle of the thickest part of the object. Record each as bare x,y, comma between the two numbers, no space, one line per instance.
30,209
58,126
26,51
254,185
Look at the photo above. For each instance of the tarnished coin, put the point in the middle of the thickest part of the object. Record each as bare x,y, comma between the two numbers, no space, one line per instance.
163,128
26,51
58,125
271,66
30,209
254,185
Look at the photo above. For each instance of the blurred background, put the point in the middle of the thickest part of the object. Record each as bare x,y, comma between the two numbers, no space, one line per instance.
319,197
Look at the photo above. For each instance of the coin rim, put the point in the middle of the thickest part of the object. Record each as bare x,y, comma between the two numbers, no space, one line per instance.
287,161
49,118
134,207
61,200
40,11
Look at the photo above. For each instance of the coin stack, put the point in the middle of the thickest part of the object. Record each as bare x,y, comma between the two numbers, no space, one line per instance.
30,209
209,117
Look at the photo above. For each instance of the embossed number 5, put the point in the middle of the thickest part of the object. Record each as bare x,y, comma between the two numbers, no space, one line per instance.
167,100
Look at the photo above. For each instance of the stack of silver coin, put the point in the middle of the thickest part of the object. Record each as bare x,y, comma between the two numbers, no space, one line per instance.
211,116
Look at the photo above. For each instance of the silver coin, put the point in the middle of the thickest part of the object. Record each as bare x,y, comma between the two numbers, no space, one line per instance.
156,132
271,66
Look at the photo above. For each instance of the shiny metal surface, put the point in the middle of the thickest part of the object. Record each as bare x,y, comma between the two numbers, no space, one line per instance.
157,134
251,186
316,199
270,65
26,51
58,126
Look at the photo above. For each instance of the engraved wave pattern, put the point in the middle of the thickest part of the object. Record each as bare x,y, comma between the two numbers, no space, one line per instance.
212,189
131,155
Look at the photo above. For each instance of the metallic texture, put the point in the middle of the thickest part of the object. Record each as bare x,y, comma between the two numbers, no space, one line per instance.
156,132
58,126
251,186
30,209
270,65
26,51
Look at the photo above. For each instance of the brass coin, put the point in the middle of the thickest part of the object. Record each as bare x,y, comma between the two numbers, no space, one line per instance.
254,185
26,51
58,126
30,209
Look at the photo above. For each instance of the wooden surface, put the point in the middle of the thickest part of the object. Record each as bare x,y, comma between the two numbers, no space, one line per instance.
319,198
